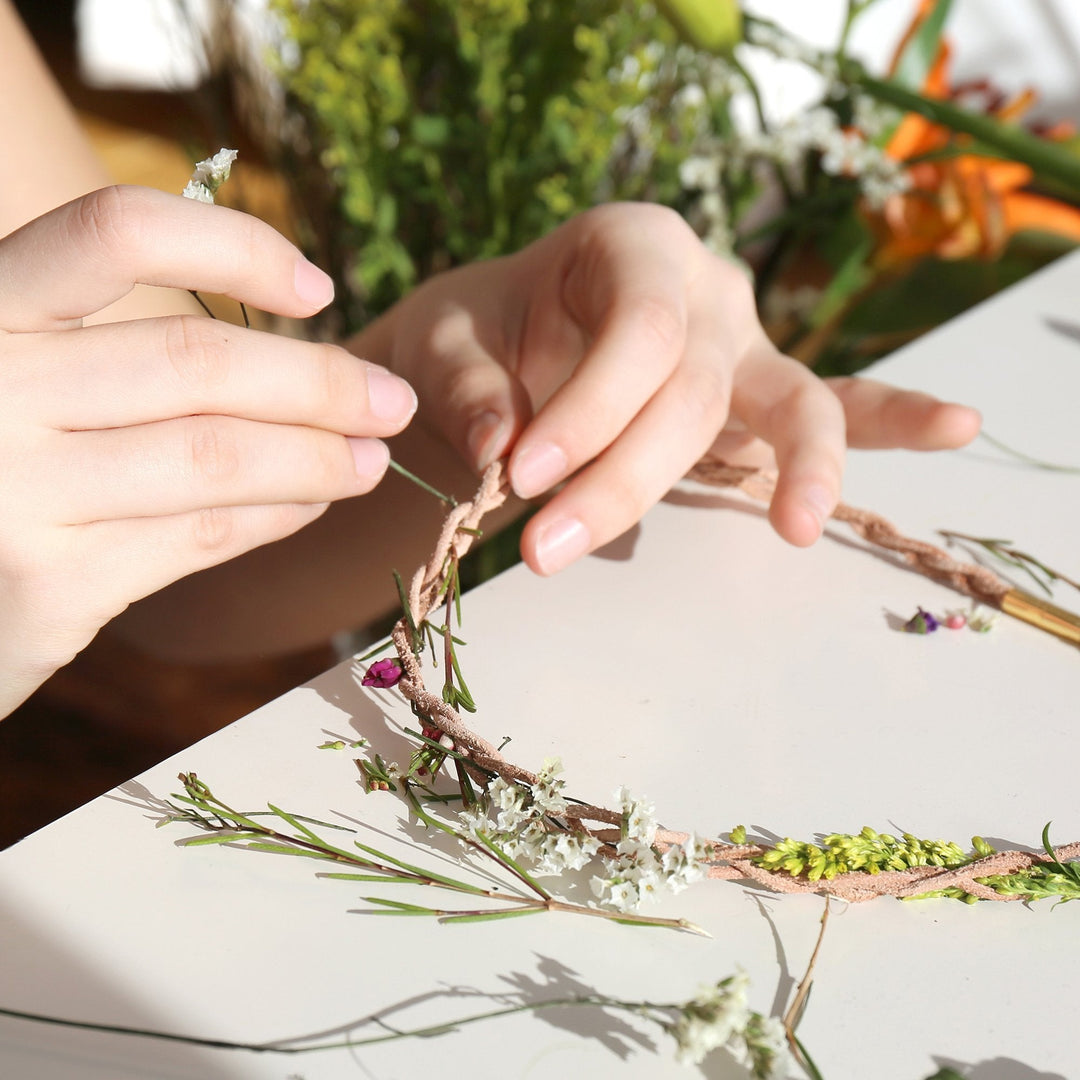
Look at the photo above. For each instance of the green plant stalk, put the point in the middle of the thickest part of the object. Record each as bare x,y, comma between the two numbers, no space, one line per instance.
422,484
262,838
1002,550
917,59
648,1010
1046,158
1038,463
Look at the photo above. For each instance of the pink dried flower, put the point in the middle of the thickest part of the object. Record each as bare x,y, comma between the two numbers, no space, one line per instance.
383,674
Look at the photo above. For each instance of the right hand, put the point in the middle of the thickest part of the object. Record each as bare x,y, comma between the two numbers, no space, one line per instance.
135,453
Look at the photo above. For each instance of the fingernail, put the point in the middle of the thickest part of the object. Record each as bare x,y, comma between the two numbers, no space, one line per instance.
312,285
820,502
560,544
389,397
536,469
486,438
370,457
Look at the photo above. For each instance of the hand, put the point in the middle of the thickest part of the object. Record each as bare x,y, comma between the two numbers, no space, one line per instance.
610,355
136,453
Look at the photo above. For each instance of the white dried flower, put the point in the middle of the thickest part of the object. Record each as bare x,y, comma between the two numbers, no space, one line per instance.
198,192
712,1018
525,824
209,175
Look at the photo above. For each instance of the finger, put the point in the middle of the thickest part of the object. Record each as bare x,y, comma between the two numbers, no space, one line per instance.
614,492
637,305
465,389
122,561
782,402
88,253
883,417
192,463
122,374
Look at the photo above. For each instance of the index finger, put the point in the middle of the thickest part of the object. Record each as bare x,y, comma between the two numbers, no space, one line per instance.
88,253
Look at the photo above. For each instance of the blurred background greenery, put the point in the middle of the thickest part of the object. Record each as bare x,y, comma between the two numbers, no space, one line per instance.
420,134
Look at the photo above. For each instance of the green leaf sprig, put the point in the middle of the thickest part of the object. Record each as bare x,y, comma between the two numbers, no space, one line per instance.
219,823
1041,574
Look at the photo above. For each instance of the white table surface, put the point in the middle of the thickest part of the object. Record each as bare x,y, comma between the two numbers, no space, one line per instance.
806,712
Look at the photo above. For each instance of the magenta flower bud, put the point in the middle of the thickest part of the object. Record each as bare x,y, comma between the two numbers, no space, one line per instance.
383,674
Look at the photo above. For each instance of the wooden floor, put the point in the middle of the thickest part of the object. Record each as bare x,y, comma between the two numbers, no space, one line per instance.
114,712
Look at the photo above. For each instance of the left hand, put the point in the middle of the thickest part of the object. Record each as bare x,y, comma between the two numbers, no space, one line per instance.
610,355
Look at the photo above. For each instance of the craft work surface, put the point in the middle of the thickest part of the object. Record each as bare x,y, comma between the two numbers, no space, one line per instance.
705,665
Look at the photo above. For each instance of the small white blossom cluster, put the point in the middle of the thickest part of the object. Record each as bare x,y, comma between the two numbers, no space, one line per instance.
844,152
633,148
719,1016
872,118
637,871
522,826
709,215
673,85
522,822
209,175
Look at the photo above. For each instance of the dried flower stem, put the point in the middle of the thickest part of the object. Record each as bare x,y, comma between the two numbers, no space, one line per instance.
728,861
802,992
654,1011
1003,550
224,825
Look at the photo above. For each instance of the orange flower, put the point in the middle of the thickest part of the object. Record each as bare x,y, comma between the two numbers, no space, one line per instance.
966,205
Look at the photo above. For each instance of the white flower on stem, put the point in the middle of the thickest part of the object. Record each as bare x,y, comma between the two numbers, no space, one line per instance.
547,792
549,770
209,175
530,826
640,824
632,849
198,192
622,895
684,863
766,1045
716,1015
473,819
504,795
566,851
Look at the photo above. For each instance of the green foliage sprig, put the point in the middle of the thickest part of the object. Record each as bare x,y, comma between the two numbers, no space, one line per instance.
1004,550
292,834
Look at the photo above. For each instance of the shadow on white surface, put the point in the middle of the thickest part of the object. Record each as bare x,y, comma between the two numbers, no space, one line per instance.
54,982
997,1069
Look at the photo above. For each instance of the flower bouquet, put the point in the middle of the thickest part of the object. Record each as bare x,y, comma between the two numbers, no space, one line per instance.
419,137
